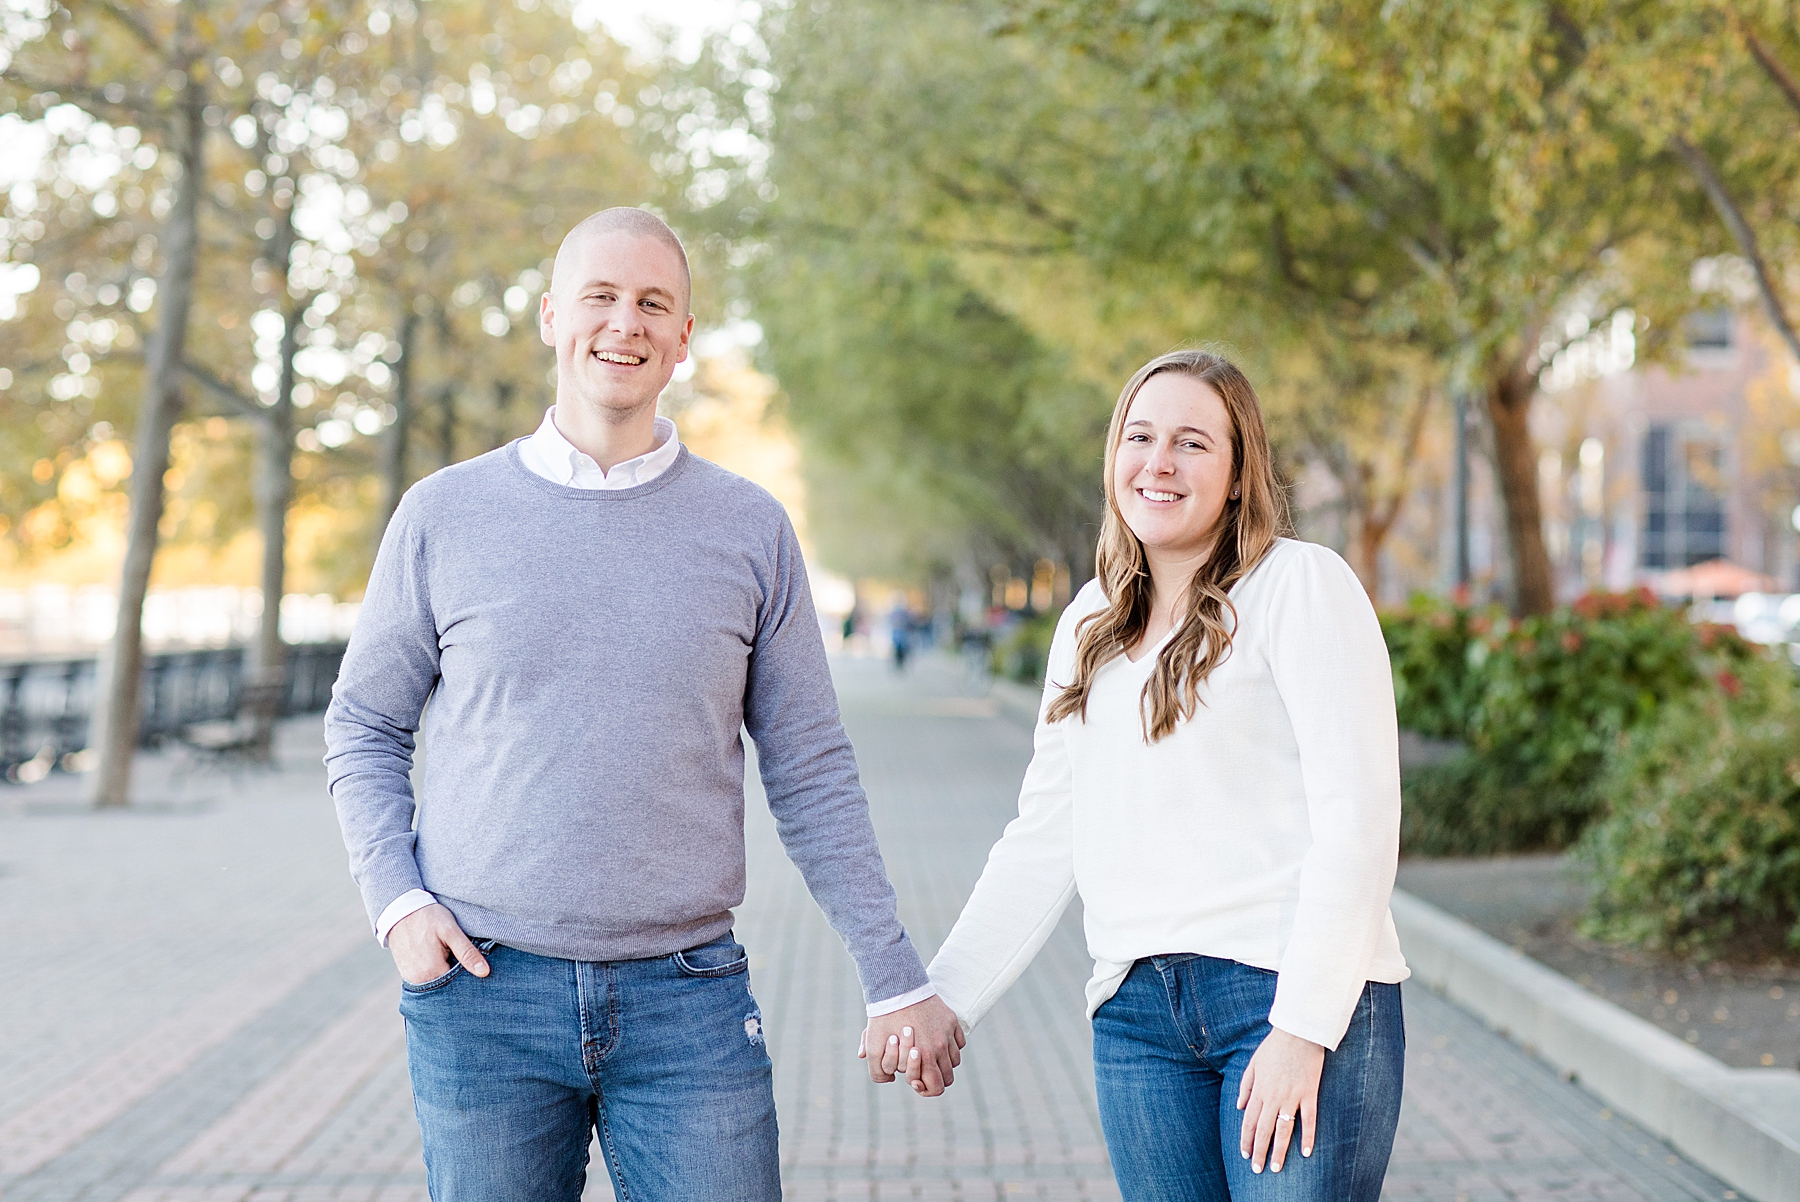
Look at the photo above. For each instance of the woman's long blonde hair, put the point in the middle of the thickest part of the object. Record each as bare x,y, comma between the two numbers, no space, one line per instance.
1247,530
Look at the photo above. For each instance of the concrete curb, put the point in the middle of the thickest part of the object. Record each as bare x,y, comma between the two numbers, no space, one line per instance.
1742,1125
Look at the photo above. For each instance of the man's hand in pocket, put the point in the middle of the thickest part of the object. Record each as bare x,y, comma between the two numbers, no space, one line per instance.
426,941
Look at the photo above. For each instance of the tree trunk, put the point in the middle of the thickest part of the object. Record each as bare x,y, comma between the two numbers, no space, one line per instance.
447,424
116,716
393,446
274,493
275,463
503,395
1509,394
1371,532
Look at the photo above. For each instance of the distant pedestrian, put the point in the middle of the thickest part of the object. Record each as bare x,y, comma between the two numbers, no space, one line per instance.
900,631
595,614
1217,775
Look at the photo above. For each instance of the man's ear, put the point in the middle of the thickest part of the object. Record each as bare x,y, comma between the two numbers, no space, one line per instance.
546,320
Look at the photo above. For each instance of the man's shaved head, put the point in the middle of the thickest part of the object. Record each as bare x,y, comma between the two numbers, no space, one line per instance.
626,220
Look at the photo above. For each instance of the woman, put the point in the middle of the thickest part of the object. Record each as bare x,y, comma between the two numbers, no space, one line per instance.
1217,774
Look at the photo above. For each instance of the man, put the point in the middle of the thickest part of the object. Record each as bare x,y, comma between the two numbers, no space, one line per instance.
594,614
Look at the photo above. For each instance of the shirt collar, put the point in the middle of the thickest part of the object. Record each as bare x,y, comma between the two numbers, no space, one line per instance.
565,460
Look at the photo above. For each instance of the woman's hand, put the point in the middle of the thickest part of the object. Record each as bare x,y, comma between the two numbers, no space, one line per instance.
1280,1089
922,1043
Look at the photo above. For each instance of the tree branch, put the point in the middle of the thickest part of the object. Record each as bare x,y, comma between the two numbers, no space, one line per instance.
129,20
245,406
91,99
1773,67
1709,178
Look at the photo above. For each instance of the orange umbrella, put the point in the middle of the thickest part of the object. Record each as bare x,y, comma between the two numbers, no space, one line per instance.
1714,578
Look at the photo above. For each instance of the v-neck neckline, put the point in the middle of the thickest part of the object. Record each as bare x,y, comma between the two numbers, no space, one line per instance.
1150,653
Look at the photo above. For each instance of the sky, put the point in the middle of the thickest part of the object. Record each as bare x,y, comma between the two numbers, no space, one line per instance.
629,22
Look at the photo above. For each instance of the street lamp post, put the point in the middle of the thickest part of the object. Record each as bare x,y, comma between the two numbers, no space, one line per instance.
1460,398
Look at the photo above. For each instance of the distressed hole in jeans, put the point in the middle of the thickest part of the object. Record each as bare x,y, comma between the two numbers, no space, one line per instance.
753,1028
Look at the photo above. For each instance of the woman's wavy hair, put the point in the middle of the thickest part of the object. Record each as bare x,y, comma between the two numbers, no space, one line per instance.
1247,530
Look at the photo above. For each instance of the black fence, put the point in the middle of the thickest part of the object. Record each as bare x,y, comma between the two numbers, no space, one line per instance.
46,704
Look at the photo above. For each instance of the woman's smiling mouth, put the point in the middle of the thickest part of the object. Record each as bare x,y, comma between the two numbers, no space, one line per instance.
1151,494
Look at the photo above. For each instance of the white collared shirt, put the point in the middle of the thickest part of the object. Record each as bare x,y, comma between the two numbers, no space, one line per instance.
548,454
555,458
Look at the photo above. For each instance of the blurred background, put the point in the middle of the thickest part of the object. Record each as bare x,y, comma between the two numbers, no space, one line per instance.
1514,281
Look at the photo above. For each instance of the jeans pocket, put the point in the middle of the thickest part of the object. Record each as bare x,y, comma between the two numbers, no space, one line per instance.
720,958
484,946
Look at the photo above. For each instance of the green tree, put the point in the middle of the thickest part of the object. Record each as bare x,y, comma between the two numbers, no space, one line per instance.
1460,143
168,75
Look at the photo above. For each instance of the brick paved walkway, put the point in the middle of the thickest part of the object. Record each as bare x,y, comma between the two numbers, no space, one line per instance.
194,1011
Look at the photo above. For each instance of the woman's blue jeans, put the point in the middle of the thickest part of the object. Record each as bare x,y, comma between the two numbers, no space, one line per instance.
513,1073
1170,1049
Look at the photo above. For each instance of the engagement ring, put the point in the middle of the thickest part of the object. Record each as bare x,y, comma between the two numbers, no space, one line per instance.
1284,1118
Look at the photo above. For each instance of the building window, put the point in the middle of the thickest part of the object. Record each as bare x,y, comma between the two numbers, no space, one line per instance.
1684,497
1708,329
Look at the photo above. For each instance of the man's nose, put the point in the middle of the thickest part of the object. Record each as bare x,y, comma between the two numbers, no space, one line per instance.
625,319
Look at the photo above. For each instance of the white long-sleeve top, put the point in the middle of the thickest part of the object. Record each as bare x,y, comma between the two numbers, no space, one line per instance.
1264,829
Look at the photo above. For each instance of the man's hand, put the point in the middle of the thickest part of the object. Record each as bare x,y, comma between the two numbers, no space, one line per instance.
923,1043
424,941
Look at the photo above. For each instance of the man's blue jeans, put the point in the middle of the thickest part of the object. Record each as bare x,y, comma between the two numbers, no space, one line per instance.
1170,1049
664,1058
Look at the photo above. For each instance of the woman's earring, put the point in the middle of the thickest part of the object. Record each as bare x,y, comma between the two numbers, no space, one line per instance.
1234,494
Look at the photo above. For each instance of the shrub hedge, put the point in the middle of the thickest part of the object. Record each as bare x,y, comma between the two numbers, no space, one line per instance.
1698,845
1540,704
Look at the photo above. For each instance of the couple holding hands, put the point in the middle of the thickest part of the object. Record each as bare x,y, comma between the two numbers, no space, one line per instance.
595,615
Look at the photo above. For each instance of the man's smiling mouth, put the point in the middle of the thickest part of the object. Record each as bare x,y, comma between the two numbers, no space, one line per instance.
618,357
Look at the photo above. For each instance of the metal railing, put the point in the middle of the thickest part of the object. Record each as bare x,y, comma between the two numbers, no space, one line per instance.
46,704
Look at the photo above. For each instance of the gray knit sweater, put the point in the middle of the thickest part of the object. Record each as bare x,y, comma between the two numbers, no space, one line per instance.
590,658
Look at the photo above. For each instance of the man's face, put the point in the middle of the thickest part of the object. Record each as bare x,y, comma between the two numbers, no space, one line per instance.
617,316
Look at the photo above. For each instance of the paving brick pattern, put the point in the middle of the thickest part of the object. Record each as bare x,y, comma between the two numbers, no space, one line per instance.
195,1013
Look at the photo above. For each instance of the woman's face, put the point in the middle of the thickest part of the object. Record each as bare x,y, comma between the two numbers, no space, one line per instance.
1172,472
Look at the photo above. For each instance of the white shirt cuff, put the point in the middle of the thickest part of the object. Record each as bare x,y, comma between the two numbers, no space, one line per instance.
400,907
877,1009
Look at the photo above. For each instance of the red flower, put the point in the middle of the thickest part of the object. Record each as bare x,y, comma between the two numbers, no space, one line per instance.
1571,641
1729,682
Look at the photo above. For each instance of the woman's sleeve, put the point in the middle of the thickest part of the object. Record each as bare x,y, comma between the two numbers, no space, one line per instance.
1331,667
1030,875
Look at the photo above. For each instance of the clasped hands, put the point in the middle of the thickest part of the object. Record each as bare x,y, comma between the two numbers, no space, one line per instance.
922,1043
